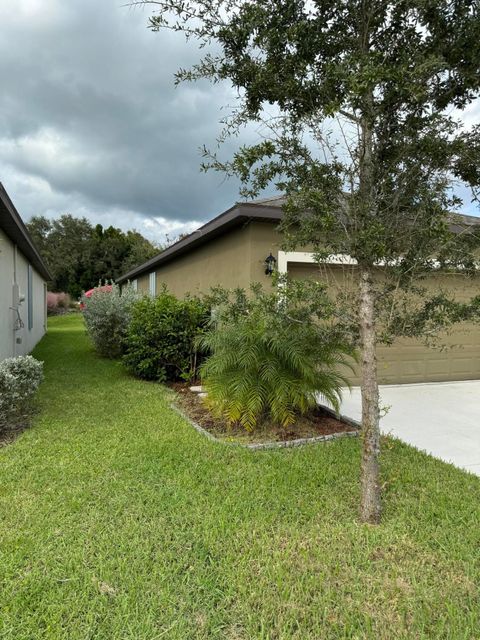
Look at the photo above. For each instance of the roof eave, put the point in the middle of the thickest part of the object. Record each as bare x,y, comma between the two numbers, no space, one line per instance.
240,213
15,229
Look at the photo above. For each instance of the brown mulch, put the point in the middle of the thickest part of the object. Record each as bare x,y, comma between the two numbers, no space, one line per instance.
318,422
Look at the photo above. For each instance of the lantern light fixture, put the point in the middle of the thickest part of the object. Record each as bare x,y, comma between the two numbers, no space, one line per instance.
270,262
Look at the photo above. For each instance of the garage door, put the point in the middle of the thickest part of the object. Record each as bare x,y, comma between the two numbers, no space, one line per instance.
409,361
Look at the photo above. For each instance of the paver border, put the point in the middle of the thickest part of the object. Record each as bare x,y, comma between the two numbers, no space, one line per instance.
258,446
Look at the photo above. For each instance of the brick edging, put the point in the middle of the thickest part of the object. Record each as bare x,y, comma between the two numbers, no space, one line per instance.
256,446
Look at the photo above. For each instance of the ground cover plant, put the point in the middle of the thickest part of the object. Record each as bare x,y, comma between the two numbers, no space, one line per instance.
118,520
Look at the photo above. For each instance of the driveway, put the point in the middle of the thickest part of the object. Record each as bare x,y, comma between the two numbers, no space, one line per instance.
441,418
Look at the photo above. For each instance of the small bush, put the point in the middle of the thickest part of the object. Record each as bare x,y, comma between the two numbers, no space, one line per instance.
58,303
272,355
20,378
161,338
107,315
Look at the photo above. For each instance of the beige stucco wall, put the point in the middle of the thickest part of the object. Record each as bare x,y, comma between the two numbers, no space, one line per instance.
14,269
409,360
264,239
237,259
233,260
142,283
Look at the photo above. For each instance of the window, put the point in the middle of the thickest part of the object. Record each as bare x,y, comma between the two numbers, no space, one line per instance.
153,284
135,284
30,296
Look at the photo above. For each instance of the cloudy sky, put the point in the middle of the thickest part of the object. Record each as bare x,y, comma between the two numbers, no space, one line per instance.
91,123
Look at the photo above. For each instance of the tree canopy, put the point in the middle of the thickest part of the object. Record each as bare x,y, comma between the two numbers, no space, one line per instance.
79,254
364,140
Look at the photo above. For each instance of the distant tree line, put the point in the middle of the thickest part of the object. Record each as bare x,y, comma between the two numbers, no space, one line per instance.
79,254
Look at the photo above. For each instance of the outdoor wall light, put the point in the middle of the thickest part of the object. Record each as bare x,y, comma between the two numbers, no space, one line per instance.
270,265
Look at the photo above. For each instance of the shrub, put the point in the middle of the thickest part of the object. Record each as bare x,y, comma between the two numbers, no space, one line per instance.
19,380
161,338
272,355
58,303
107,314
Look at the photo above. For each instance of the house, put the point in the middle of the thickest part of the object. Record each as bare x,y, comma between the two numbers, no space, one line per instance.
23,285
233,249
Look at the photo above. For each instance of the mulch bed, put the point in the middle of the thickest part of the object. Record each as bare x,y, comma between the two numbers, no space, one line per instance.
318,422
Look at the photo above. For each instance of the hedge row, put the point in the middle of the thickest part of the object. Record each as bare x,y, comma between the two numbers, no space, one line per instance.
264,357
155,337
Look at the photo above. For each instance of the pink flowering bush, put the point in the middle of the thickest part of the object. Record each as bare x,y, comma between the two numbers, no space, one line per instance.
57,303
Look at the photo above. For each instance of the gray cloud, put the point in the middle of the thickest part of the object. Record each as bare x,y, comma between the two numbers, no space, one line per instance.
90,120
91,123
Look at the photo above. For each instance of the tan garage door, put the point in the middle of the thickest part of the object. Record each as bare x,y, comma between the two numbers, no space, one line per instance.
407,360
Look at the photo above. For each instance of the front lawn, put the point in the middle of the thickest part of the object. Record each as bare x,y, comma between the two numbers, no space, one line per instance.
119,521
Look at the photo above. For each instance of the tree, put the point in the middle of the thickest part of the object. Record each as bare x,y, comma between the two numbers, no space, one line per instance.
361,143
80,255
140,250
63,243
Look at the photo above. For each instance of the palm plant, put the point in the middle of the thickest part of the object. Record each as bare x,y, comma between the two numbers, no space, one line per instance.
272,360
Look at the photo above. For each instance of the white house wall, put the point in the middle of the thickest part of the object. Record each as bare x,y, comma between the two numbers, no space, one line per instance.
6,284
14,268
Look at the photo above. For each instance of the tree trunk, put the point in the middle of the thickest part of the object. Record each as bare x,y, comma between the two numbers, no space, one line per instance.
370,506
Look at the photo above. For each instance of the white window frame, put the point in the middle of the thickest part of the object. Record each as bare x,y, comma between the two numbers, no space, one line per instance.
152,284
135,284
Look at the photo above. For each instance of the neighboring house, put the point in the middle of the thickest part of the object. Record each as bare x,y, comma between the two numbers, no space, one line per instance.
23,285
231,250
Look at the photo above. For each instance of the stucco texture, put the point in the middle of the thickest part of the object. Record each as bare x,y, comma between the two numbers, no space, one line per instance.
236,259
457,354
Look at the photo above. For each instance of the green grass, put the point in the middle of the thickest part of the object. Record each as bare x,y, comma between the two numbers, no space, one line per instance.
119,521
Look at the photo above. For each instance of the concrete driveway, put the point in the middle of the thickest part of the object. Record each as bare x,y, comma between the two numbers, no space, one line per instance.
441,418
